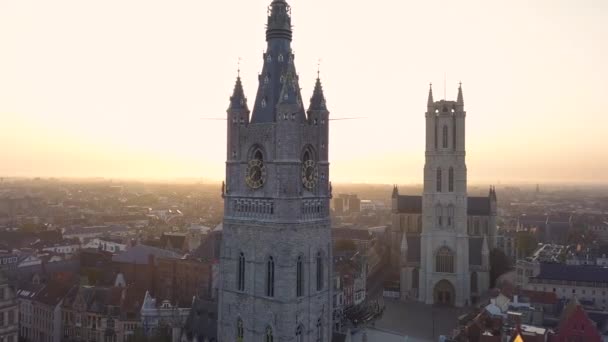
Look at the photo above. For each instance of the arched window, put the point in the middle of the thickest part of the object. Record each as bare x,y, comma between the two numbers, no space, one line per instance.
240,331
439,215
445,136
419,225
269,337
241,272
319,271
306,156
444,261
415,277
270,277
486,227
474,282
451,180
258,155
319,330
476,227
299,334
450,217
300,277
439,177
436,138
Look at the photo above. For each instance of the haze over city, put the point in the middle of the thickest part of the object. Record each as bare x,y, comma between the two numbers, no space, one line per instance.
121,89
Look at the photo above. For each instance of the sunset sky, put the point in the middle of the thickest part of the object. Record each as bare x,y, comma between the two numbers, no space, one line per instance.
119,88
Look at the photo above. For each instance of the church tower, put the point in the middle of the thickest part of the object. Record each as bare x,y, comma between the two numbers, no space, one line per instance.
275,265
445,275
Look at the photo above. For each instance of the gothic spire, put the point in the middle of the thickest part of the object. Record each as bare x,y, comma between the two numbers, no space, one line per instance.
279,21
460,100
430,101
238,99
317,101
395,191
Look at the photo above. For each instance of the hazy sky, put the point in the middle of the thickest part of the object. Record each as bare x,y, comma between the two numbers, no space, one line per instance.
117,88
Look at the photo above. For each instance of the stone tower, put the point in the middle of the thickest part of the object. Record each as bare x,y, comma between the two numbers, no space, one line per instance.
444,276
275,264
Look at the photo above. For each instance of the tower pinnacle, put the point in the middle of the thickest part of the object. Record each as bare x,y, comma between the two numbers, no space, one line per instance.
460,100
279,21
430,101
238,99
317,101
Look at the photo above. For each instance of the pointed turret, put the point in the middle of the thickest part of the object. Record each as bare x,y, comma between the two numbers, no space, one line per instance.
460,100
238,100
404,246
430,101
395,191
485,252
403,250
279,21
317,101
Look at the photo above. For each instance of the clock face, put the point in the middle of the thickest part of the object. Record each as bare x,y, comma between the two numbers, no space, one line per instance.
309,174
256,174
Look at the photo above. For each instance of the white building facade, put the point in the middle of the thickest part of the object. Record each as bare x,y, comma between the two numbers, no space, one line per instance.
442,240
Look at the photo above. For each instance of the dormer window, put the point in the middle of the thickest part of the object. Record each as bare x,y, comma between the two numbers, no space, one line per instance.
282,79
281,58
263,103
266,79
268,58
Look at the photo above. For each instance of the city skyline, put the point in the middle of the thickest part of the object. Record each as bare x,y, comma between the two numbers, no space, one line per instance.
125,94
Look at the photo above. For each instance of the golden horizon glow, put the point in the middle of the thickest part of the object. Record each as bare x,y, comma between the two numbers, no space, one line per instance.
118,89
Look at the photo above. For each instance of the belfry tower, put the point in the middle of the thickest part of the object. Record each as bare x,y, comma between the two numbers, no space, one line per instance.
276,257
444,276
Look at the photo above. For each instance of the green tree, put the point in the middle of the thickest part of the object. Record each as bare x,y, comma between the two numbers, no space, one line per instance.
526,243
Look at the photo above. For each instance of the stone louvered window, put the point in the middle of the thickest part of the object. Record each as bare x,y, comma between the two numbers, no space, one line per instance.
445,136
299,334
240,331
270,277
439,179
269,336
451,180
241,272
444,261
300,277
